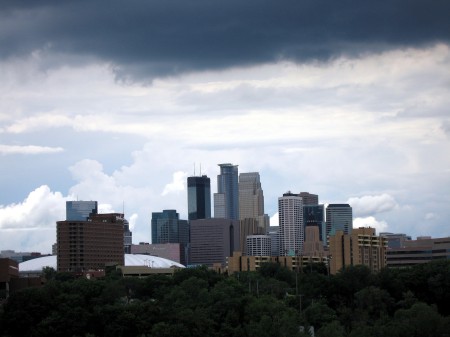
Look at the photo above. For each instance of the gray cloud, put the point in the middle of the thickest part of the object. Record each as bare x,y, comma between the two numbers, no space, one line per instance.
147,38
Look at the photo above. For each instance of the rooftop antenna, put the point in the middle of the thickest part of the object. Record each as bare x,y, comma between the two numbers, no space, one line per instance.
194,169
123,207
200,169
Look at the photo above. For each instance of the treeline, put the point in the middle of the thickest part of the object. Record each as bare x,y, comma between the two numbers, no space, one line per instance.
271,302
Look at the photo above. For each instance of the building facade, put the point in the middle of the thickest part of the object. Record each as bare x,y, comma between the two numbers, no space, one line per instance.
258,245
127,237
309,198
168,228
422,250
314,215
226,200
91,244
291,233
213,241
199,197
361,247
339,217
80,210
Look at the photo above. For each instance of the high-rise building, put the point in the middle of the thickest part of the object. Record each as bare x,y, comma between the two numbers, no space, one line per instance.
258,245
309,198
213,240
313,246
251,197
339,217
90,244
251,207
314,215
199,197
226,200
291,232
80,210
168,228
361,247
274,235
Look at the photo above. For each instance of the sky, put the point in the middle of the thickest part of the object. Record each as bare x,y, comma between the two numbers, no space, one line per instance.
120,102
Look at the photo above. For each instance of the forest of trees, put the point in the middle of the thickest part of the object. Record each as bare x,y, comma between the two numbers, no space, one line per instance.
271,302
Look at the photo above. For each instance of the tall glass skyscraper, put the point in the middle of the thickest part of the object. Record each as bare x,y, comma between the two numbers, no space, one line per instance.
80,210
168,228
199,197
226,200
339,217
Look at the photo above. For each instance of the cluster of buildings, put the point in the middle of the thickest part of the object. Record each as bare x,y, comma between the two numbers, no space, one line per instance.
238,236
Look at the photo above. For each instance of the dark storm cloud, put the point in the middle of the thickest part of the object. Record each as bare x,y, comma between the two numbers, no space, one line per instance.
149,37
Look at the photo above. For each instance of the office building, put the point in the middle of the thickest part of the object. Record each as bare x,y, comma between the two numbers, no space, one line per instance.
339,217
258,245
361,247
80,210
291,233
395,240
91,244
313,246
127,237
168,228
226,200
251,207
213,241
273,233
314,215
422,250
199,197
309,198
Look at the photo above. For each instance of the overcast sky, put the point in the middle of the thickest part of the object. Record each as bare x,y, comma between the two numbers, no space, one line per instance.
118,101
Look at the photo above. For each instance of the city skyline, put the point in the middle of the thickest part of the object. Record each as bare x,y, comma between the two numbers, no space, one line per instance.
346,100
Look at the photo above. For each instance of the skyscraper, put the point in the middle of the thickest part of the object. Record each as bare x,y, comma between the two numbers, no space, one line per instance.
213,240
309,198
168,228
199,197
251,207
251,197
339,217
226,200
314,215
291,232
80,210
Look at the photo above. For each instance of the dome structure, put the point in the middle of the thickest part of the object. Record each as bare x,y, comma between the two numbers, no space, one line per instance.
36,265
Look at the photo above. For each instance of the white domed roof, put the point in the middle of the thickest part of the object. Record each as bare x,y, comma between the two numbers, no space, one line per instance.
37,264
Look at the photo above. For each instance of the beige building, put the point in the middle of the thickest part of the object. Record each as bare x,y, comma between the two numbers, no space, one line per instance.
238,263
422,250
253,221
361,247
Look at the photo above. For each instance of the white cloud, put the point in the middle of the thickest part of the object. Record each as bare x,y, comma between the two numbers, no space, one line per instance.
372,204
177,185
380,226
274,220
28,149
37,211
31,224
